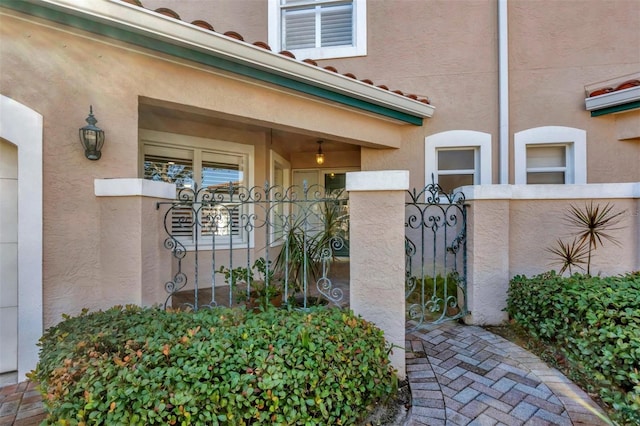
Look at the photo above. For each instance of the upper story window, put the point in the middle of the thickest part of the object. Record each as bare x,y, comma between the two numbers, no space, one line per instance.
457,158
318,29
550,155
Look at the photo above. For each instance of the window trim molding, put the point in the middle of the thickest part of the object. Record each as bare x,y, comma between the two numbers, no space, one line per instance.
575,140
274,30
458,139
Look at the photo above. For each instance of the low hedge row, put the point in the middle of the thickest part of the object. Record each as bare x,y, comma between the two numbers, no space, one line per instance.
595,322
130,365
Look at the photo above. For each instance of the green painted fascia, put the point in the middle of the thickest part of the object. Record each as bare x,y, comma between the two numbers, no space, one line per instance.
617,108
128,36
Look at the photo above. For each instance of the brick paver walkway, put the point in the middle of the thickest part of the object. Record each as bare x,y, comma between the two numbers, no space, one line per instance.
459,375
21,405
465,375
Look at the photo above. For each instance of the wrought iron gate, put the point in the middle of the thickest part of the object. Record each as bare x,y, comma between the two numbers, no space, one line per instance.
436,256
255,246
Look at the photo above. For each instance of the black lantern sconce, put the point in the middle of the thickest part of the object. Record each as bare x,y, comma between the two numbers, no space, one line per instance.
92,137
320,154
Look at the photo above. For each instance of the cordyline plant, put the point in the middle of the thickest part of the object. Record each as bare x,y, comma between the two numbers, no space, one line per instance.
592,224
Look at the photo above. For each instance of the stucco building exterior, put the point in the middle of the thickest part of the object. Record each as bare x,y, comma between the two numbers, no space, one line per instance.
528,105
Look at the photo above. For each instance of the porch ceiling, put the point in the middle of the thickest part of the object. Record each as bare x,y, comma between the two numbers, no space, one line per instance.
296,140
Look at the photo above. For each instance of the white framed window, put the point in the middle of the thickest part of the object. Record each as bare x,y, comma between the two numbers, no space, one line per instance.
319,29
191,162
458,157
550,155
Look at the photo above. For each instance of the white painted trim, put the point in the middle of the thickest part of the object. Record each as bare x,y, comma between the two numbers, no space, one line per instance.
128,187
458,139
503,66
384,180
23,127
575,139
180,33
275,158
607,100
598,191
360,49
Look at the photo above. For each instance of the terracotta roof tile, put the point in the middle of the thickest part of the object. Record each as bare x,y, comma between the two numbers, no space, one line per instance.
234,35
168,12
626,85
203,24
262,44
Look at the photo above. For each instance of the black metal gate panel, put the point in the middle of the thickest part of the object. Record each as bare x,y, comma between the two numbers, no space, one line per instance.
436,256
255,246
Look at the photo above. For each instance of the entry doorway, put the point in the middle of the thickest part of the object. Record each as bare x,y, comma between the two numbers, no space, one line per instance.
334,182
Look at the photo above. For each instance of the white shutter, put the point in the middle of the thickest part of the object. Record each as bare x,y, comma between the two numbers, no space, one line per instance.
320,24
337,25
299,29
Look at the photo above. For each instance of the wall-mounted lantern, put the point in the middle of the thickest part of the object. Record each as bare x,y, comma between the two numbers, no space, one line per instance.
92,137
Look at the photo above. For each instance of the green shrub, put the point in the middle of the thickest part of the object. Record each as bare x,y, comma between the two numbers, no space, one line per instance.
595,322
234,367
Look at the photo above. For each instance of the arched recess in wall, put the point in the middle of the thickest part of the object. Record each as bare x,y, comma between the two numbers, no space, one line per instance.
22,126
566,156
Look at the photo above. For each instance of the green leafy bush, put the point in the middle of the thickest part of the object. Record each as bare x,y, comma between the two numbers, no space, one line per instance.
595,322
131,365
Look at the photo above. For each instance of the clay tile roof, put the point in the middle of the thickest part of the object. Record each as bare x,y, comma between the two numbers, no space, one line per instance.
262,44
287,53
626,85
203,24
234,35
168,12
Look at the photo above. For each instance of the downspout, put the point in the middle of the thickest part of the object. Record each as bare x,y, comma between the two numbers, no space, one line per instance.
503,82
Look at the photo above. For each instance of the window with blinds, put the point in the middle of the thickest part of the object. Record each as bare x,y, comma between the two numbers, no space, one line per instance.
319,29
317,25
215,171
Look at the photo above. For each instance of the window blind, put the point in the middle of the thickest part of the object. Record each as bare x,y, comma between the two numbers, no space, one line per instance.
317,25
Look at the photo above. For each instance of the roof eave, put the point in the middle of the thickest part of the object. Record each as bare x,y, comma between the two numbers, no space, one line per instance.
179,33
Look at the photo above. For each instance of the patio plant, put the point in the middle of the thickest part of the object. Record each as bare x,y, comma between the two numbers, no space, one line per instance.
310,239
132,365
257,285
594,322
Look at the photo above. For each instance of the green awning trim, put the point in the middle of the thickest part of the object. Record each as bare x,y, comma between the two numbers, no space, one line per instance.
614,109
126,35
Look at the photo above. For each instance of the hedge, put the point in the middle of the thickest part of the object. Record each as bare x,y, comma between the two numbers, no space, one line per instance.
595,322
131,365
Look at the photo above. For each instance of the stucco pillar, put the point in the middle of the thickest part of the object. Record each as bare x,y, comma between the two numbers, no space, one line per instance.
376,238
134,265
487,261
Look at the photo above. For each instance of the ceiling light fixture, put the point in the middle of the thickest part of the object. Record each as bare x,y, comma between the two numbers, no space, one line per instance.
320,155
